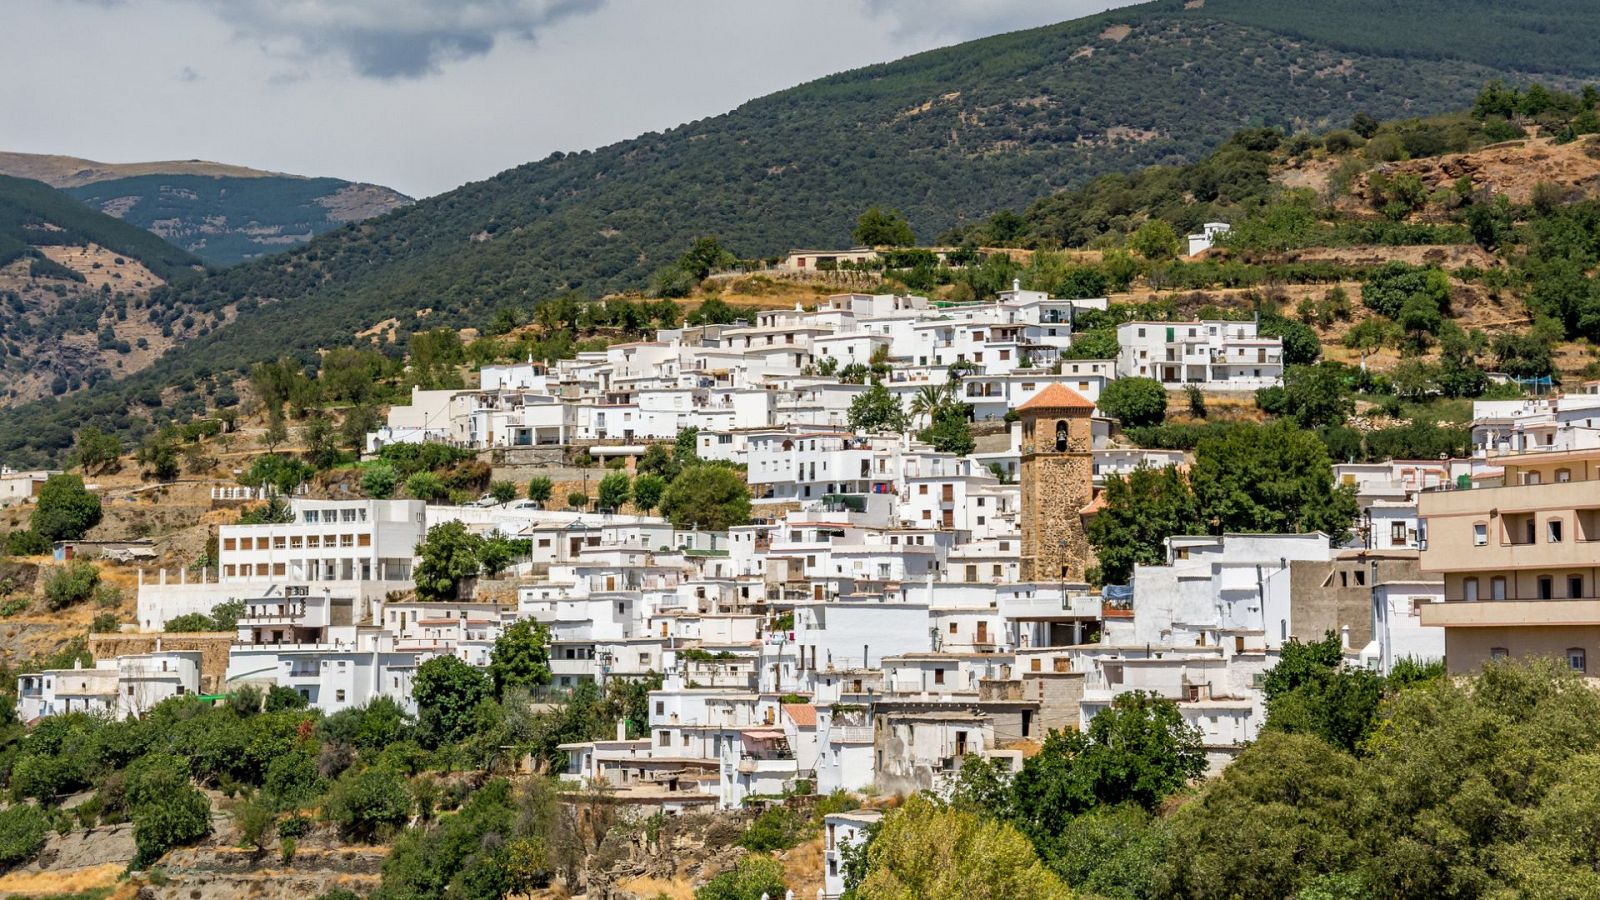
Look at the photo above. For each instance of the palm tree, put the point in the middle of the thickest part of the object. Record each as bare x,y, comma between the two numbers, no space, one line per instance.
932,400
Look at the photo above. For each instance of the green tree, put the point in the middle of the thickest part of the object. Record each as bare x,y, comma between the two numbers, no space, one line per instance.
71,584
647,491
1301,346
369,803
686,447
498,552
875,410
448,692
1310,691
378,479
950,432
167,810
502,491
615,489
1137,751
1370,335
1316,395
1141,511
1155,239
879,227
926,849
1272,479
1134,402
98,451
427,486
1274,820
447,555
754,876
539,489
707,496
521,657
66,510
23,829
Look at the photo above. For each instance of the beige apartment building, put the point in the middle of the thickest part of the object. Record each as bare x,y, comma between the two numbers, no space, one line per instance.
1520,561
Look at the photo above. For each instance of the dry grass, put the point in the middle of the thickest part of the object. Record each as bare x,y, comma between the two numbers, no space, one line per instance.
676,889
27,883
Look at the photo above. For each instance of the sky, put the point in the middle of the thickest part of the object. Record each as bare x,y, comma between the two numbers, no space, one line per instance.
425,95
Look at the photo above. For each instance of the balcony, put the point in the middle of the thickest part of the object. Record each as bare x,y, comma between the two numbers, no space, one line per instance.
1511,613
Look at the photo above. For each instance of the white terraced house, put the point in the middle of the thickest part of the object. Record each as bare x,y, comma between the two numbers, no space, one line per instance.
1211,355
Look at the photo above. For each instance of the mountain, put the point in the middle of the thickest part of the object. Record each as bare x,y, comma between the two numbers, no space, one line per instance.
223,214
68,278
948,137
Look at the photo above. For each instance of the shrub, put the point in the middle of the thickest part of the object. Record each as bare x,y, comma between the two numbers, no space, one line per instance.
1136,402
778,828
367,804
66,509
754,876
71,584
23,828
539,489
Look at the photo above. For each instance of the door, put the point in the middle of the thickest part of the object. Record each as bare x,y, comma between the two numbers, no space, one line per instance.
983,632
961,744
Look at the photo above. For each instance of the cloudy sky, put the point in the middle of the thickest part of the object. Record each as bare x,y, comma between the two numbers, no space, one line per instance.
423,95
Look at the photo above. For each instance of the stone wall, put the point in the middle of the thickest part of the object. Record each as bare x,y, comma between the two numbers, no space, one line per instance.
213,647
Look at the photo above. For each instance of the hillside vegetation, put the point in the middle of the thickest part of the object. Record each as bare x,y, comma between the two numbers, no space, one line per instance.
69,278
223,214
947,137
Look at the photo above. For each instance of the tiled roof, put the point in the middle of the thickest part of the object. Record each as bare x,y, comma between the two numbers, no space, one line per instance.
1057,396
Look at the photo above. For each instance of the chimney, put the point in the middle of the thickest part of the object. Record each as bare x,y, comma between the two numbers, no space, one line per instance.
1344,638
622,728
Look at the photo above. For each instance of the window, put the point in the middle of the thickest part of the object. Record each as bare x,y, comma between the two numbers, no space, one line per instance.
1397,534
938,676
1552,530
664,739
1480,534
1577,660
1499,653
338,696
1563,476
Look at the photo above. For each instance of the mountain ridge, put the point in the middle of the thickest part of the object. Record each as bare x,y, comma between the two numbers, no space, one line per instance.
947,136
223,213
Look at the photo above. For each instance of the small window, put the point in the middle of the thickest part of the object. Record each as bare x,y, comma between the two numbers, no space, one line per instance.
1499,653
338,695
1553,531
1480,534
938,676
1577,660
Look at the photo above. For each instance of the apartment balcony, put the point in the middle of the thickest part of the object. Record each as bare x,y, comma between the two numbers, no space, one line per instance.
753,765
1511,613
851,734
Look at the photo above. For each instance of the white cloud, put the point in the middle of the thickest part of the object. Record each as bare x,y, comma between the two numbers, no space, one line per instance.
964,19
393,38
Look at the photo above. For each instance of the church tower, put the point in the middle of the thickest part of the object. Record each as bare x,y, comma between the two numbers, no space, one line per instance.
1057,468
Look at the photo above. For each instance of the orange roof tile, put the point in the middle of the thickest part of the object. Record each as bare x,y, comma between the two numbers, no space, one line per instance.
1057,396
803,714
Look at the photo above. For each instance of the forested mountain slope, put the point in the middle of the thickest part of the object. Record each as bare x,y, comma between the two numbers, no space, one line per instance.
68,278
946,136
223,214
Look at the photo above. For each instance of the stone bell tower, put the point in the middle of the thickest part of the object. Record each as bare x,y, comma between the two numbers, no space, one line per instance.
1057,469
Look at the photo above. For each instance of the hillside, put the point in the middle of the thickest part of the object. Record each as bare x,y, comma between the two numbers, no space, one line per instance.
223,214
68,279
947,136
